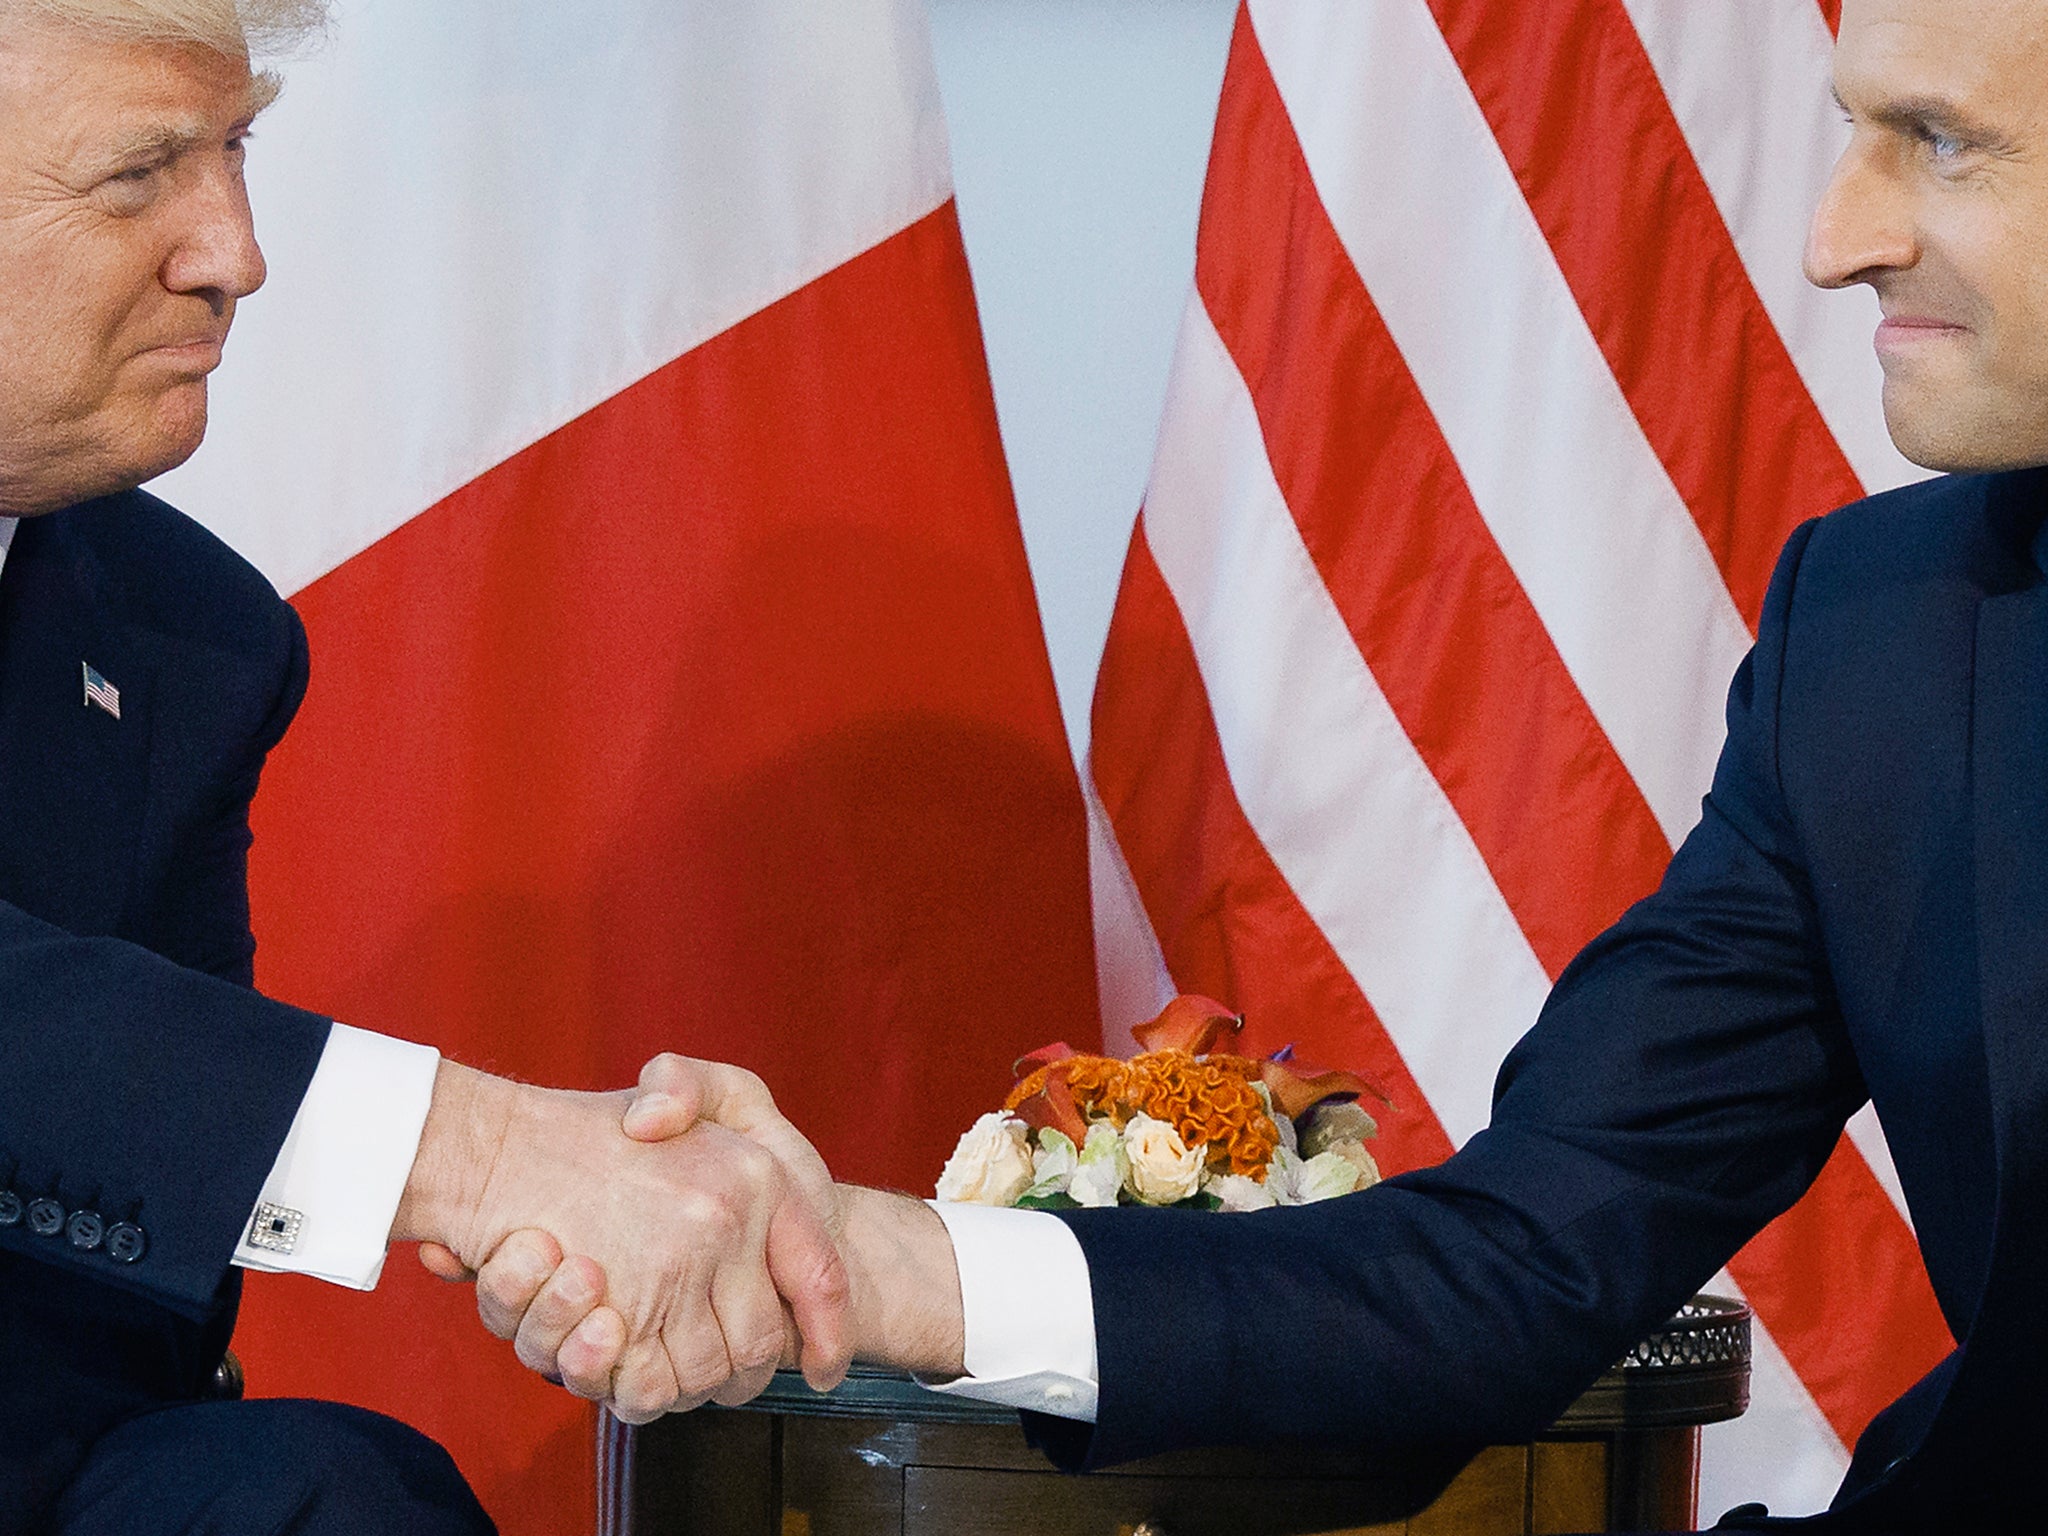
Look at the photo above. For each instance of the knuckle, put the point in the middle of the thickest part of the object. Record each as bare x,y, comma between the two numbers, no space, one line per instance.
741,1389
716,1214
757,1352
500,1291
641,1389
495,1322
700,1373
533,1353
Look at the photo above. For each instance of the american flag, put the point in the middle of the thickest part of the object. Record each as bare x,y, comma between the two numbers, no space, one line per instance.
1498,391
98,690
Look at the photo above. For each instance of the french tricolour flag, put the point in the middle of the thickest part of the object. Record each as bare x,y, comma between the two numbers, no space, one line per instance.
616,416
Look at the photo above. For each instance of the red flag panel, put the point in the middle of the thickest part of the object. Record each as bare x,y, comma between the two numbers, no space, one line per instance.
718,721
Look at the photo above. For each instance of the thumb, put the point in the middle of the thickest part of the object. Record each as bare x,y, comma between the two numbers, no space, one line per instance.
675,1092
668,1100
806,1267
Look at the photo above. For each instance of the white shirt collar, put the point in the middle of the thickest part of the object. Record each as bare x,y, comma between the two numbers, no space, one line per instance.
6,538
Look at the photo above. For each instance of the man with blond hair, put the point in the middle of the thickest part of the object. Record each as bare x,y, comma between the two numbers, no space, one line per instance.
161,1124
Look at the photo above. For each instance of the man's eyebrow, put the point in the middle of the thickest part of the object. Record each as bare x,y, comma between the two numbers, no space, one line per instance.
1926,113
166,141
157,141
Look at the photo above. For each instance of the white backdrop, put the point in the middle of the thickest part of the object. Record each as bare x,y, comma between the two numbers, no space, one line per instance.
1080,134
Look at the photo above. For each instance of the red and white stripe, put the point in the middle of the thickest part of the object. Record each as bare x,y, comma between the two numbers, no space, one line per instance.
1497,394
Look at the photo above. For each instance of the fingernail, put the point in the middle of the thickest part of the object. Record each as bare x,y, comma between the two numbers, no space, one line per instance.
646,1111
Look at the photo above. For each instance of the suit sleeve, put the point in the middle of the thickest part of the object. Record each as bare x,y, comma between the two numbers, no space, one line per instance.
1686,1081
152,1095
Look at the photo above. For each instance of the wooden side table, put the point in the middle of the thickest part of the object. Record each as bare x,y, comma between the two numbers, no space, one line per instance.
881,1455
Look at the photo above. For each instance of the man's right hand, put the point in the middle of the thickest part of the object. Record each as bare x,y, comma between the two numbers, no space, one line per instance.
904,1306
692,1244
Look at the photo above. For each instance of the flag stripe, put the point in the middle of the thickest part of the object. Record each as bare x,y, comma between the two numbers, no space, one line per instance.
1132,980
1868,1136
1749,85
1432,606
1857,1333
1237,931
1783,1451
1327,777
1578,112
1575,497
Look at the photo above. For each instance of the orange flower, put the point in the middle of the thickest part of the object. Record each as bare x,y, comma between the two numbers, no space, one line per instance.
1210,1099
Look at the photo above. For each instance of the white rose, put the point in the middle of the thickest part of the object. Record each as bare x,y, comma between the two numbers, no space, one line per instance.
1164,1169
1238,1192
1053,1164
1103,1167
992,1164
1335,1120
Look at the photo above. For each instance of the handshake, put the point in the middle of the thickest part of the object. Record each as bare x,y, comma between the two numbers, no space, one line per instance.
665,1246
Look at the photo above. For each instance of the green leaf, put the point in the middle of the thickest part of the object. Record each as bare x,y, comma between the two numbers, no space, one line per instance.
1047,1203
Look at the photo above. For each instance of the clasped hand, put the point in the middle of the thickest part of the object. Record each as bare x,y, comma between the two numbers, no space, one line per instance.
653,1271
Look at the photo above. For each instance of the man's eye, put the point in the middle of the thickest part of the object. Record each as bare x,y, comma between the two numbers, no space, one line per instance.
1943,146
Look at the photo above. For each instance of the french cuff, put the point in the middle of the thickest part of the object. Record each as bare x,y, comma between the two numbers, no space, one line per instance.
1028,1311
326,1209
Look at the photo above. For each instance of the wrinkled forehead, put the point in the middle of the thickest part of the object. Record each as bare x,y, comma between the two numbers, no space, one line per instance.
1991,55
66,88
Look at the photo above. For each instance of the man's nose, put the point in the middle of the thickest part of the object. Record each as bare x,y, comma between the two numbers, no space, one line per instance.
1862,227
217,256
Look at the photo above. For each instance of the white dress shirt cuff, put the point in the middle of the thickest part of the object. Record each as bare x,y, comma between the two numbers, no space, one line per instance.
326,1209
1029,1314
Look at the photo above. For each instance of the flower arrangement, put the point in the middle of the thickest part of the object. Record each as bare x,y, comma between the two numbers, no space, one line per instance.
1182,1123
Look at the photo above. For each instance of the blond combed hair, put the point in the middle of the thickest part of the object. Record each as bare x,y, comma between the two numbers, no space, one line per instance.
262,28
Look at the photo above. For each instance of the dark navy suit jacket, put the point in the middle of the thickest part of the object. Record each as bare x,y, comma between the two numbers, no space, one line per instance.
1861,912
143,1084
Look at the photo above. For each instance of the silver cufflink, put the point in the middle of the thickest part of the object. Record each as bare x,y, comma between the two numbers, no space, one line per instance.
275,1227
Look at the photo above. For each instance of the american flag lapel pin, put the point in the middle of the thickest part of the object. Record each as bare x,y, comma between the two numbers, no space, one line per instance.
101,692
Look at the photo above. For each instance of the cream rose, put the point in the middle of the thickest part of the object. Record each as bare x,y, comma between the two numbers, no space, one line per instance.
1164,1169
992,1164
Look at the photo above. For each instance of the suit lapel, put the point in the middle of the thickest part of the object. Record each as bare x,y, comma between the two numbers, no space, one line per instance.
73,779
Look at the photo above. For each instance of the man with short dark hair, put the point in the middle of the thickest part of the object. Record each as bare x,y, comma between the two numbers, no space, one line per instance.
1861,913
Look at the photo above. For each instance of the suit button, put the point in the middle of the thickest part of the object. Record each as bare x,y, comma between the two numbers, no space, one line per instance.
45,1217
126,1242
11,1208
85,1229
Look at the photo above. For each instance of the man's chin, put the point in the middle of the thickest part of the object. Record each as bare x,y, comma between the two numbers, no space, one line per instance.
1948,430
173,434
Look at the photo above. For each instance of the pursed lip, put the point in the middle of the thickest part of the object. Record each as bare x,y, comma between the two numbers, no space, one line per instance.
201,354
1896,331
